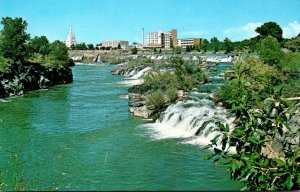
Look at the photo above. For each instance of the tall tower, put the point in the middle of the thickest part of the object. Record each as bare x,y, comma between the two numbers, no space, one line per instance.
143,35
70,38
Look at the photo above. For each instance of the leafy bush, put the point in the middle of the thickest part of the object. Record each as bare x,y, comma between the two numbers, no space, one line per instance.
134,51
269,50
58,55
248,78
156,99
116,60
172,94
160,80
267,150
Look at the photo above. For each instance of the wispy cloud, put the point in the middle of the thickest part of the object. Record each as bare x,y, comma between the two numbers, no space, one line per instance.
242,32
291,30
196,33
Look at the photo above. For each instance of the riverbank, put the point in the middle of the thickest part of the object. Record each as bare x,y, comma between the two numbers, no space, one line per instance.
18,78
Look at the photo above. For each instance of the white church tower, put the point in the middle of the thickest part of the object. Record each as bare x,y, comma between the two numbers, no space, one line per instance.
70,39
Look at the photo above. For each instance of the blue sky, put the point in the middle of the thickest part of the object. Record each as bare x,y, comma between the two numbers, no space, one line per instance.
94,21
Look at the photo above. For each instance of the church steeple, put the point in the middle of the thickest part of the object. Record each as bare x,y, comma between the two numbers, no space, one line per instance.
70,38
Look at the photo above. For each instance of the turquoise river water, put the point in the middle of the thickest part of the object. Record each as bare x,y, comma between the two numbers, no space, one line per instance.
81,136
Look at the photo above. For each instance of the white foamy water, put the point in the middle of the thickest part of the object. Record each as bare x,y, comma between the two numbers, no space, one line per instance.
135,77
192,120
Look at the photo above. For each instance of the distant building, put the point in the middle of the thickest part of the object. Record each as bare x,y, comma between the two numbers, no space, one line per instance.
162,39
115,44
183,43
155,39
70,39
169,40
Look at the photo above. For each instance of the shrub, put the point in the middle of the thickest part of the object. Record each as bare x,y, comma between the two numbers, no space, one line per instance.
134,51
249,77
172,94
267,150
269,50
156,99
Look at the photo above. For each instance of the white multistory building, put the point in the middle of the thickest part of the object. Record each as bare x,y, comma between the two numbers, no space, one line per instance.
155,39
162,39
168,40
70,38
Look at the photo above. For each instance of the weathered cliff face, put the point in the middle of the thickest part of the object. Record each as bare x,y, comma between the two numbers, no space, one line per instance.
21,78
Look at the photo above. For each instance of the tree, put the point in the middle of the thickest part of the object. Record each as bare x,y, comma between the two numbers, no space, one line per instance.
187,48
154,50
134,51
90,46
228,45
270,29
269,50
204,45
58,53
214,44
14,38
119,46
40,45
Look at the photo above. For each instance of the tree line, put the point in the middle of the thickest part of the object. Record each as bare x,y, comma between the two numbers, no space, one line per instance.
248,45
16,45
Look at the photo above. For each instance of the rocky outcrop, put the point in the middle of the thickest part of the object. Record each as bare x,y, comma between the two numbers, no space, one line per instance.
137,106
21,78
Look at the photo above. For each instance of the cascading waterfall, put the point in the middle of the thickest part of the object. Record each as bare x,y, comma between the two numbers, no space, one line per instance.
192,120
135,76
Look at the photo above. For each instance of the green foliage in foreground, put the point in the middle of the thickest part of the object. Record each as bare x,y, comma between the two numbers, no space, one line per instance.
257,162
267,150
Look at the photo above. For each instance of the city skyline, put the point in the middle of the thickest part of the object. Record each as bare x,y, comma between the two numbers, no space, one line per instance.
94,21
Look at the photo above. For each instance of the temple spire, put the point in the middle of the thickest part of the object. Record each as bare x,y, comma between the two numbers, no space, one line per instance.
70,38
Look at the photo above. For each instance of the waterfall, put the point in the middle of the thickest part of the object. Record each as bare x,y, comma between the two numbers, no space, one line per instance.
191,120
140,73
134,77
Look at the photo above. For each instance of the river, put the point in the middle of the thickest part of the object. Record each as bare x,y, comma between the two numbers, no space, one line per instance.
81,136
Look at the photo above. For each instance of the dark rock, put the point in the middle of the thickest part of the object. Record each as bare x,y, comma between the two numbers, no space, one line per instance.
21,78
